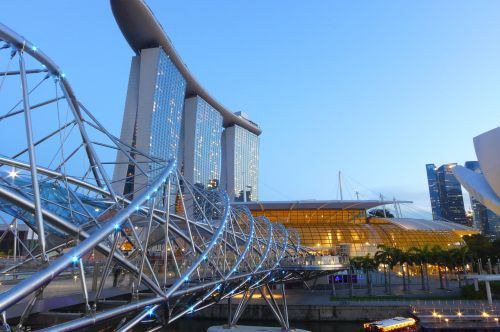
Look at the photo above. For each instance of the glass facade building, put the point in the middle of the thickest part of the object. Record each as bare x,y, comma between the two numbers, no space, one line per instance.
350,231
241,163
202,142
168,105
450,203
153,117
484,219
432,181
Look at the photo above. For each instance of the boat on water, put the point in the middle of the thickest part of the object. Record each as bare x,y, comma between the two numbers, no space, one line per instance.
396,324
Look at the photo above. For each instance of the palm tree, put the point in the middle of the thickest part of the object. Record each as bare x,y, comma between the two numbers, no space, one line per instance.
387,257
465,255
349,277
402,260
367,264
453,263
445,261
436,258
421,257
460,256
409,262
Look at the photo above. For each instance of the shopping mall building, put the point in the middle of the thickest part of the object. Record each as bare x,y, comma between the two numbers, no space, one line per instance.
345,226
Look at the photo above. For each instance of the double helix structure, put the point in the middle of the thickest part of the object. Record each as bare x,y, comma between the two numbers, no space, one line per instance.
100,258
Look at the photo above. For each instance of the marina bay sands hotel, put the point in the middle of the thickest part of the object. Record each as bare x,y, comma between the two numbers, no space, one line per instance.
168,114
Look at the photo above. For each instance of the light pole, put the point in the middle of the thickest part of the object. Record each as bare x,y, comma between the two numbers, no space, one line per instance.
245,192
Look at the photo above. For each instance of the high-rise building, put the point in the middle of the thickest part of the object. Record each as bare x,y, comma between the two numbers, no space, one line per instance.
241,164
168,114
484,219
152,119
202,142
448,204
434,191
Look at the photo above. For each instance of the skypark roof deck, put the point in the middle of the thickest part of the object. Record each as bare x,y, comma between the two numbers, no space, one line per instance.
142,30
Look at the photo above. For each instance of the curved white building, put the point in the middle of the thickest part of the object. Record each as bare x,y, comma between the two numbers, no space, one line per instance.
484,187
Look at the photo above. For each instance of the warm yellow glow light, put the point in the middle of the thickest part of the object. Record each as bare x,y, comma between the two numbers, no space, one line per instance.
257,296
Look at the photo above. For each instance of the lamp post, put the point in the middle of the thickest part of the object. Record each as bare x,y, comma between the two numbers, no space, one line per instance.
245,192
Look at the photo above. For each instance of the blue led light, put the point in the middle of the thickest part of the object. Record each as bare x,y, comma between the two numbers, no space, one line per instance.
74,259
34,48
117,227
150,312
63,75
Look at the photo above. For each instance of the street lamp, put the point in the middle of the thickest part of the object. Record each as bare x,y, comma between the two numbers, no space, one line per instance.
245,193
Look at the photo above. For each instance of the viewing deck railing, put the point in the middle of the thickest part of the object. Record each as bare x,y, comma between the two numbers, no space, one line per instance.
316,262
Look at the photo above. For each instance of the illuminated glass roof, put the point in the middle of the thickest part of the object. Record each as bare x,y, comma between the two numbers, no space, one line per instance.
316,204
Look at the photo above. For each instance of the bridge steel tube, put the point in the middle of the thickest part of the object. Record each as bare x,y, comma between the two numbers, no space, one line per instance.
39,279
32,158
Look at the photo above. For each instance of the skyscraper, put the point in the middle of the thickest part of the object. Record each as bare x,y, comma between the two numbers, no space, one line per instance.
153,115
448,204
484,219
434,191
241,164
202,142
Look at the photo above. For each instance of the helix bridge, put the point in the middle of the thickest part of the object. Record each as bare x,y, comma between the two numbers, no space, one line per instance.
98,258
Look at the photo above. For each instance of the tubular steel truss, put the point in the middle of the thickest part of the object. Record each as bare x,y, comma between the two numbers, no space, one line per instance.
169,244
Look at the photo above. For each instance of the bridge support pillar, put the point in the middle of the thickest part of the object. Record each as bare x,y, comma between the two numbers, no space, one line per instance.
282,317
229,313
488,292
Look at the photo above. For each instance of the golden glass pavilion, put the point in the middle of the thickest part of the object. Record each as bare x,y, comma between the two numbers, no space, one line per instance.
345,227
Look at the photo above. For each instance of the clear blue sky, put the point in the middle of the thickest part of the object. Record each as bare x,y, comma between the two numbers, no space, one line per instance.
374,88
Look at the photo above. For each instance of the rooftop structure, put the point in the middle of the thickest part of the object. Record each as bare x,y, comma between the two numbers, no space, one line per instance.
345,226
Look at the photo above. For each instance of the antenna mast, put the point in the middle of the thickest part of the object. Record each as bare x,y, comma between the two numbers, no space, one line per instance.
340,186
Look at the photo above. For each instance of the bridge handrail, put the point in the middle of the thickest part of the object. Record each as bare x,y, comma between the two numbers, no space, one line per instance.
311,260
